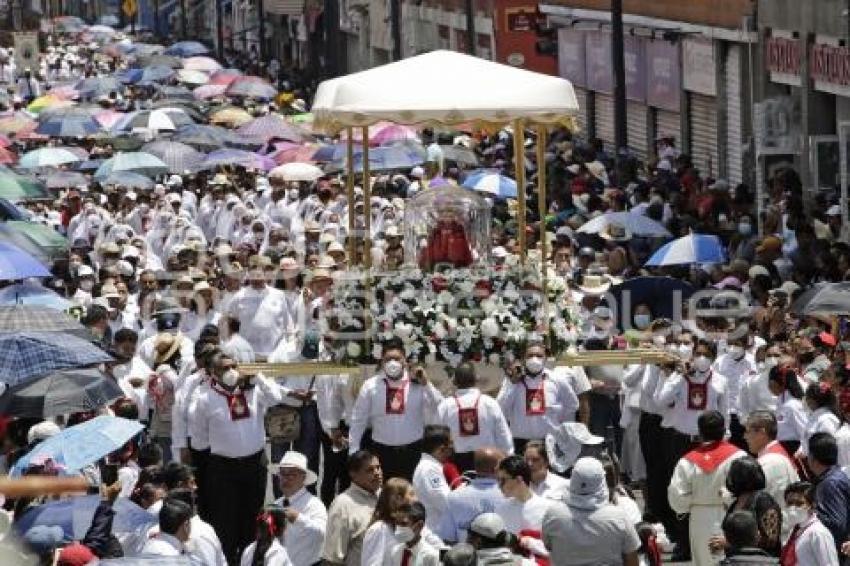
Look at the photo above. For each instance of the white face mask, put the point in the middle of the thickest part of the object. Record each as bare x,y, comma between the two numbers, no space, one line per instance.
86,285
404,534
795,515
534,365
686,351
393,369
702,364
230,378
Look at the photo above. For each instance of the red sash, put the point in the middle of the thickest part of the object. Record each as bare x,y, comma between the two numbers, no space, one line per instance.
788,557
467,418
535,400
708,457
776,448
236,402
396,399
698,394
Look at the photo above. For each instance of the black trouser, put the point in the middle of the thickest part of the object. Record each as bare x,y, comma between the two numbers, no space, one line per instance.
605,414
651,437
398,461
465,461
308,444
236,491
680,444
736,433
334,472
199,459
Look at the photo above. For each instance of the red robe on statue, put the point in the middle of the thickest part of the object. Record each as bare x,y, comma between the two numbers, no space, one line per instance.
447,243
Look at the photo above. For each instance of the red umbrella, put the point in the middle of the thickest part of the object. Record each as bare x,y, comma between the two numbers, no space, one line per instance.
297,154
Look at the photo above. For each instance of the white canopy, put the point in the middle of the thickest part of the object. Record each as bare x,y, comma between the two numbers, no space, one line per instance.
443,87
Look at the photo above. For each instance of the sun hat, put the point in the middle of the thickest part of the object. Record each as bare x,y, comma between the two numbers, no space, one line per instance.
297,460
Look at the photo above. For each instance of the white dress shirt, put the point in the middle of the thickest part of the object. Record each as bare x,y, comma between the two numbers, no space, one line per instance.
239,348
185,404
736,371
522,517
779,473
493,429
756,396
421,554
263,317
163,544
815,547
379,541
431,489
304,538
560,399
821,420
553,486
235,438
204,545
420,408
674,390
275,556
791,418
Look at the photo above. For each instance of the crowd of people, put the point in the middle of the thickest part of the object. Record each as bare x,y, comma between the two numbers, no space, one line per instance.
735,448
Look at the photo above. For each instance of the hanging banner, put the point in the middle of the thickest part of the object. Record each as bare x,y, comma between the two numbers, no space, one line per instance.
26,51
664,78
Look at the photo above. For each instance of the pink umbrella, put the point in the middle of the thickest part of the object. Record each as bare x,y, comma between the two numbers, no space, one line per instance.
391,133
297,154
224,77
65,91
5,141
7,156
108,118
205,64
209,91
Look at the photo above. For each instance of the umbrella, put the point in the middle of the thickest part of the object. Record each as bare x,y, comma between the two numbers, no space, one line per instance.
238,157
179,157
191,77
80,445
296,154
5,141
201,137
48,101
7,156
47,157
637,224
152,74
17,187
16,318
187,49
16,122
251,87
296,172
108,118
829,298
24,355
128,180
93,87
693,248
205,64
136,162
16,264
391,133
156,120
209,91
459,154
225,76
333,152
492,183
90,164
231,116
33,294
65,179
664,295
381,159
273,126
69,126
75,515
59,393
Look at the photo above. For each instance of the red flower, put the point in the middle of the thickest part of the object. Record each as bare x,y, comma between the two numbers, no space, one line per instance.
439,284
483,289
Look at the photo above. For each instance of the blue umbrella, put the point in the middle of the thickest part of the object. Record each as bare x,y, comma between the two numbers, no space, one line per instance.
80,445
491,183
69,126
90,164
382,159
24,355
154,73
35,295
74,516
187,49
17,264
93,87
334,152
134,161
693,248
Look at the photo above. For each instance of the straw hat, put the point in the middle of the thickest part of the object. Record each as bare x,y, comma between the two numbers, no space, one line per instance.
595,285
165,346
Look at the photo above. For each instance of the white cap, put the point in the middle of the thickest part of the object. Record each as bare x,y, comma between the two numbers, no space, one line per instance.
42,431
834,210
487,525
499,252
175,181
417,172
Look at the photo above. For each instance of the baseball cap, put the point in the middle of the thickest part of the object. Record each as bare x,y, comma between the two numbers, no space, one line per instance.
488,525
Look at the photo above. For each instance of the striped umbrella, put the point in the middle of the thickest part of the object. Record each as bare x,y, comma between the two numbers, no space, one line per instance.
273,126
251,87
179,157
205,64
156,120
693,248
135,162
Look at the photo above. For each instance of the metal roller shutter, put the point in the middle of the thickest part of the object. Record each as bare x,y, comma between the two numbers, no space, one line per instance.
636,117
734,141
703,122
581,117
604,119
668,124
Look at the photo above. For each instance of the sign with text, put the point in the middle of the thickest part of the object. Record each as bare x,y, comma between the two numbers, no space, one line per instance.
664,78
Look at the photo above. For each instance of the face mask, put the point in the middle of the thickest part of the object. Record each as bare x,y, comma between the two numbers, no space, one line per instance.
686,351
702,364
393,369
642,321
230,378
404,534
795,515
534,365
86,285
745,228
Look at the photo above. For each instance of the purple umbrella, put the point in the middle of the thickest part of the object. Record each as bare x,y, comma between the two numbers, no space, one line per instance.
238,157
273,126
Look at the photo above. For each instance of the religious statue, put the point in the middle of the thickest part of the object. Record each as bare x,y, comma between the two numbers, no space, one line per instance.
447,244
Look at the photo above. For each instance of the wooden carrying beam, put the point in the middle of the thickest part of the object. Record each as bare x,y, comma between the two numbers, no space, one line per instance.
298,368
618,357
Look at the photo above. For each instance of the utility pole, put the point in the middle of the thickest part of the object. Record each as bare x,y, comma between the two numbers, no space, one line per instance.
395,19
621,134
219,30
184,25
470,27
262,31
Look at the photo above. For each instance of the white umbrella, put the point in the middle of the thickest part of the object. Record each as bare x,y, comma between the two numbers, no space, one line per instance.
296,172
637,224
47,157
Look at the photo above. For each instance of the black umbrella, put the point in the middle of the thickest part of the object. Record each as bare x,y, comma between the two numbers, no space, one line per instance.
59,393
829,298
664,295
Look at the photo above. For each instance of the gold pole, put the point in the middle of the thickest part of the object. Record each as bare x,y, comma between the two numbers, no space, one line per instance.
519,172
541,209
349,188
367,196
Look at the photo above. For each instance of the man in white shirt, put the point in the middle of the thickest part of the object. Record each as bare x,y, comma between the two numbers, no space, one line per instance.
523,510
737,366
175,526
230,419
261,311
397,406
534,400
429,482
306,516
779,469
474,419
543,482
